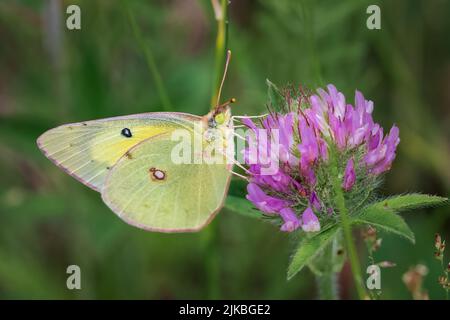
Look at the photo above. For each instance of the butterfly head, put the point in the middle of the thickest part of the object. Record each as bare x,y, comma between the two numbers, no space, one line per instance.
218,126
220,116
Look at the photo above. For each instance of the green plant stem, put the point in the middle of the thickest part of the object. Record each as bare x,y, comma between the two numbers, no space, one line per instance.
212,232
164,97
327,285
345,223
327,279
220,51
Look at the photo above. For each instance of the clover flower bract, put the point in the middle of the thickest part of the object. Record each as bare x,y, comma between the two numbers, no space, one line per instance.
298,194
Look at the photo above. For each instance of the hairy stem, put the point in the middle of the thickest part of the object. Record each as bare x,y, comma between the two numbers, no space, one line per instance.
327,280
345,224
327,285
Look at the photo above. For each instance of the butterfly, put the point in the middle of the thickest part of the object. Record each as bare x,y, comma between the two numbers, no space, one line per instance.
129,161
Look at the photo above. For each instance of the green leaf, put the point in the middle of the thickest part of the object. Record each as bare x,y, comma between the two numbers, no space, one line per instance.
308,249
410,201
242,206
386,219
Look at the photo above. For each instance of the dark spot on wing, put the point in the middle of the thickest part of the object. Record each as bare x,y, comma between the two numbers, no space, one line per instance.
156,174
126,132
84,124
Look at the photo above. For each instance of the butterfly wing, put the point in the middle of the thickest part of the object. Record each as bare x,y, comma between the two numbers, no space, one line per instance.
146,189
88,150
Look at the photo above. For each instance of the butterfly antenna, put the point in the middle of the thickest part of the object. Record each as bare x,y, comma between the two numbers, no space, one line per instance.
227,62
226,103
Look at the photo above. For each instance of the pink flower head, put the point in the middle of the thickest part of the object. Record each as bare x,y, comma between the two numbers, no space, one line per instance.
305,134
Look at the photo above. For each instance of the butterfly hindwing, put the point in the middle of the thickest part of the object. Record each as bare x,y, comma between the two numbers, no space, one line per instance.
146,189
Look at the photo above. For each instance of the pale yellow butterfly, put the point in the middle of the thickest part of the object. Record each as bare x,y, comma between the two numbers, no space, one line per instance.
128,160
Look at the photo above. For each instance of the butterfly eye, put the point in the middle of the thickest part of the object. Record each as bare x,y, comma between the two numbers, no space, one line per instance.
126,132
220,118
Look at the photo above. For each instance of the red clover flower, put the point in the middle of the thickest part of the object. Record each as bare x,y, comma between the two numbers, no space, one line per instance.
300,139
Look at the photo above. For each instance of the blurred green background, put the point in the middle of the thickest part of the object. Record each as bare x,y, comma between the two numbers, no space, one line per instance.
50,75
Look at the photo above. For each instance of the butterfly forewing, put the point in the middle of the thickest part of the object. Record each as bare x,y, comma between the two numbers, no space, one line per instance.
88,150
